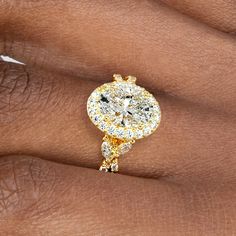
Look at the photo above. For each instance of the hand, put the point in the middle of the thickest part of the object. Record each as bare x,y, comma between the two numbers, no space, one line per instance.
179,181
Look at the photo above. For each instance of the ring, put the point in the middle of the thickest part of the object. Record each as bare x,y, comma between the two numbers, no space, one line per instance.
125,112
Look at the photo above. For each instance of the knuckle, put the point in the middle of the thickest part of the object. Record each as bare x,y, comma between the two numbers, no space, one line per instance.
14,83
23,91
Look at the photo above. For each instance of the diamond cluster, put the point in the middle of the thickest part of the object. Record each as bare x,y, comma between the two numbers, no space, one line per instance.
124,110
111,150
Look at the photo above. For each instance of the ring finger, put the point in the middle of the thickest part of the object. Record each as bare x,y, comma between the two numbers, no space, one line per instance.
44,114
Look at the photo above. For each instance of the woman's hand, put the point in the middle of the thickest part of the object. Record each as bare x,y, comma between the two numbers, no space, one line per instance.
187,60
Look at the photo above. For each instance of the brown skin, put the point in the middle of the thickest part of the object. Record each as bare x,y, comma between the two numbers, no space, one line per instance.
70,48
219,14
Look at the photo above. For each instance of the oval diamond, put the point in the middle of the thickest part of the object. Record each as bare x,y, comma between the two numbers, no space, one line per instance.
127,110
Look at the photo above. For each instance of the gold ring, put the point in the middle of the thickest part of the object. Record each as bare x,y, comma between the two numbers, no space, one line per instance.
125,112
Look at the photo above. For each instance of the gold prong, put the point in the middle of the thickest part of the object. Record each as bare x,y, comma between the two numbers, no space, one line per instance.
105,166
132,141
131,79
117,77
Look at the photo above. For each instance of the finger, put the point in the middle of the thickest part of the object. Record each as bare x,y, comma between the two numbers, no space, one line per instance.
219,14
44,198
44,114
163,48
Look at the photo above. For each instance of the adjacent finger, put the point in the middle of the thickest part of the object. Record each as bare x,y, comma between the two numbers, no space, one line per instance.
44,198
219,14
44,114
165,49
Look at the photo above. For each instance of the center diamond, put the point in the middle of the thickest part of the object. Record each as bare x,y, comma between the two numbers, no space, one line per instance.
124,110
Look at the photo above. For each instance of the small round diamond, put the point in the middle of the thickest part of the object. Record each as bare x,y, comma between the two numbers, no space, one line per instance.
119,133
124,110
102,126
111,130
139,134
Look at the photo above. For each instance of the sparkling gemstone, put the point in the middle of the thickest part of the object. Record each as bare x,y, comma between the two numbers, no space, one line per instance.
106,149
138,133
126,110
114,167
124,147
102,126
119,133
